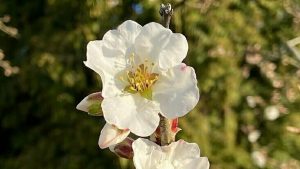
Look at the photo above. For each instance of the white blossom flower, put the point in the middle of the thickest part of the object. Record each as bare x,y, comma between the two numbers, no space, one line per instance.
253,136
177,155
271,113
251,101
259,158
142,75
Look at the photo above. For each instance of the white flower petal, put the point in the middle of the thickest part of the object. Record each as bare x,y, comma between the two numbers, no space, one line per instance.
94,56
174,51
197,163
186,155
120,40
204,163
146,154
151,39
111,135
161,45
137,114
166,165
105,67
182,150
177,155
83,105
182,97
129,30
119,43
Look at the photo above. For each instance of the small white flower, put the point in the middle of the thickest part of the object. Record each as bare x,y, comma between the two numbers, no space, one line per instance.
251,101
271,113
259,158
142,75
177,155
254,136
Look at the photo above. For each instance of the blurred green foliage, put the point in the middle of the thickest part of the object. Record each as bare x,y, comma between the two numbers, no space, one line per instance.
239,52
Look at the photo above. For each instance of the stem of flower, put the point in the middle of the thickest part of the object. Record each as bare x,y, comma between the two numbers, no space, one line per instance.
165,132
166,136
166,12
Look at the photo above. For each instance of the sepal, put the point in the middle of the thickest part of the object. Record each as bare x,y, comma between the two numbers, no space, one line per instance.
91,104
123,149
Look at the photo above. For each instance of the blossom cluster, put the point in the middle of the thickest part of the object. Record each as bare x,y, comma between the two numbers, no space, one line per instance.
143,82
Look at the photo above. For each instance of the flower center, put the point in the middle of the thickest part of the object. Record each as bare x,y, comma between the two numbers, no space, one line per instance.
141,80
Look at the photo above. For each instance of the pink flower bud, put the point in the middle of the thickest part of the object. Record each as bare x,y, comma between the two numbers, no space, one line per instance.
124,149
91,104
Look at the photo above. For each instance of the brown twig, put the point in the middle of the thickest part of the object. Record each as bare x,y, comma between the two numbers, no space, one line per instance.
165,131
166,12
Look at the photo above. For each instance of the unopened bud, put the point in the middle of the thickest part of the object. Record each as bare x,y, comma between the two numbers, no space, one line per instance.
124,149
111,135
91,104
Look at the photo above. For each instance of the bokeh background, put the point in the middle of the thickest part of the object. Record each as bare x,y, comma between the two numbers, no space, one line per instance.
249,112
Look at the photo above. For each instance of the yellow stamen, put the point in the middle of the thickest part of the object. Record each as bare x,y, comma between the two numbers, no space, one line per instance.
141,79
